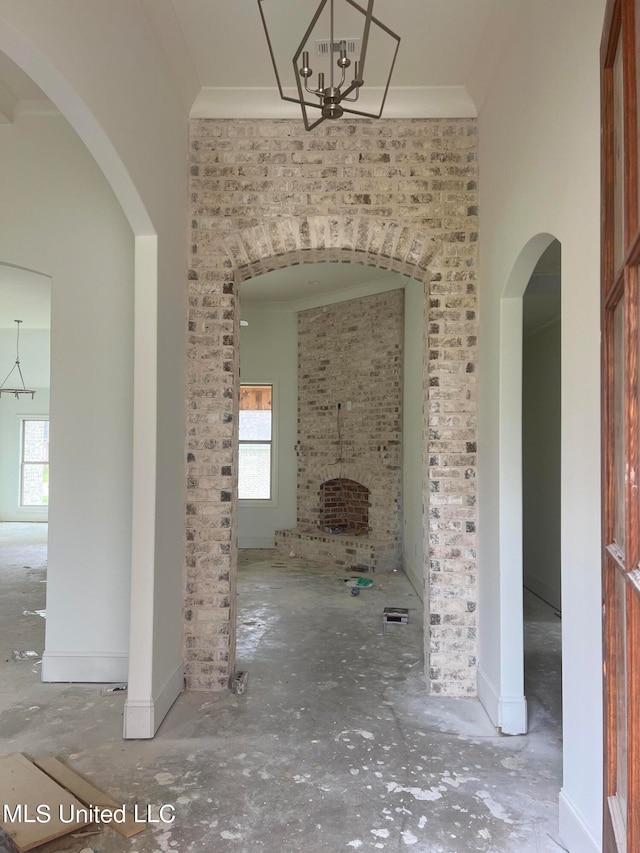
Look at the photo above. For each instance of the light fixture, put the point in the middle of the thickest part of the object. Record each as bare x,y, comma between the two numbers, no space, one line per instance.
333,93
16,391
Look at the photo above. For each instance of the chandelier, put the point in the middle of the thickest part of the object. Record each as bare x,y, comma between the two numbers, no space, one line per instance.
338,85
16,391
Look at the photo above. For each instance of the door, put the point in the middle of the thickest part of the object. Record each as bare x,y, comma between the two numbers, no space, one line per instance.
621,510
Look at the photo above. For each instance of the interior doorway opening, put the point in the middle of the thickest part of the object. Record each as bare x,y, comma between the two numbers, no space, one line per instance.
541,481
24,469
347,415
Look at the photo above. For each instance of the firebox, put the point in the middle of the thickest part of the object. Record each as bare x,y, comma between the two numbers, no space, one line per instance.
344,506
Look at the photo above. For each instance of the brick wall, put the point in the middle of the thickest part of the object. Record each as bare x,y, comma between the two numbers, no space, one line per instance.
400,195
352,352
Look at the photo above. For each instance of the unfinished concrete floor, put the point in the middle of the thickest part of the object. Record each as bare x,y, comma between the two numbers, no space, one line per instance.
335,744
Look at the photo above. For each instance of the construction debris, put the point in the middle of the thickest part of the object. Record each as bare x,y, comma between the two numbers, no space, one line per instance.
114,688
356,584
396,615
239,683
43,799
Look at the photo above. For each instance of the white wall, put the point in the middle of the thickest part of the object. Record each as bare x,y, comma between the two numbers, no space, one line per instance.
58,216
99,63
412,437
541,457
34,361
269,353
539,166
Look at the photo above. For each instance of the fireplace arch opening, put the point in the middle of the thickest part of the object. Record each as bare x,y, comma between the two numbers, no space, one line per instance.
344,506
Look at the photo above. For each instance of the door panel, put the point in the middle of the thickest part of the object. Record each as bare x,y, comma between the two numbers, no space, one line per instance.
618,416
618,155
620,425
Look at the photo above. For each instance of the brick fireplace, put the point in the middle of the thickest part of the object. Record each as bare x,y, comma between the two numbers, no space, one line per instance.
350,363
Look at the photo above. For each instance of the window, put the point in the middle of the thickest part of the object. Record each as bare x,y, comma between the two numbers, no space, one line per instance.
34,476
255,452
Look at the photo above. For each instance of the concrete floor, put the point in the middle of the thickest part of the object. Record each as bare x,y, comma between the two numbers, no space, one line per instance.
335,744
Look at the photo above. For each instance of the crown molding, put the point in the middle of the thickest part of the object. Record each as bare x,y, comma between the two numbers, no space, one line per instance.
402,102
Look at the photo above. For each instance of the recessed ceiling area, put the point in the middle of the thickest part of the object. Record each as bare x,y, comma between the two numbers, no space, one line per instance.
17,88
26,296
219,55
303,286
439,39
17,82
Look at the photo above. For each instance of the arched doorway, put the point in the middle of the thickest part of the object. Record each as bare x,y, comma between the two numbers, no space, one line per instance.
155,676
505,701
541,482
277,244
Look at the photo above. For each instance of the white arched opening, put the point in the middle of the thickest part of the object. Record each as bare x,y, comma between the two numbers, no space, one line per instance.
509,708
150,692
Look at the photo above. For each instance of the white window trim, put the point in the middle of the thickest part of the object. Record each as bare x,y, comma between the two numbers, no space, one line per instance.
273,500
29,508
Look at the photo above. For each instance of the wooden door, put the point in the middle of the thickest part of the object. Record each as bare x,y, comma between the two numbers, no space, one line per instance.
621,509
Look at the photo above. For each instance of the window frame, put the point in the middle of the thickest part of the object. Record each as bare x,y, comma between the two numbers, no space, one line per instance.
24,419
273,500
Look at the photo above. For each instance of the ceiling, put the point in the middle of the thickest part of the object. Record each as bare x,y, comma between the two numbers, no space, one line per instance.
219,59
218,56
16,88
305,286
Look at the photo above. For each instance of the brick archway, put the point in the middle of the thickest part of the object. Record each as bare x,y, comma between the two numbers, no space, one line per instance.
325,239
441,257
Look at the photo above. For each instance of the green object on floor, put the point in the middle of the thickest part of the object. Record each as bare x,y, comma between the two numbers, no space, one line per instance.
359,583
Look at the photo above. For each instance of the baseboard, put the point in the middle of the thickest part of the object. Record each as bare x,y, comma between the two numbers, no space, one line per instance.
574,833
488,696
512,714
256,542
101,667
415,579
507,713
142,717
27,516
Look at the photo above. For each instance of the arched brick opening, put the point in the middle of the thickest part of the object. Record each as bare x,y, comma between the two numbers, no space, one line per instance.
344,506
380,244
449,570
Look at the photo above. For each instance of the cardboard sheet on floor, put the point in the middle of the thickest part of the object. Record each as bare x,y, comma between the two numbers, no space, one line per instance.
88,794
22,784
26,784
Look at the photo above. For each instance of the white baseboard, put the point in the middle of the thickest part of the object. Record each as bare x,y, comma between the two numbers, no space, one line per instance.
27,516
100,667
574,832
256,542
507,713
513,715
142,717
488,696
